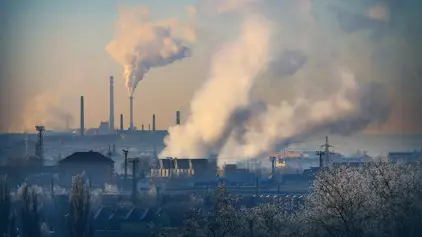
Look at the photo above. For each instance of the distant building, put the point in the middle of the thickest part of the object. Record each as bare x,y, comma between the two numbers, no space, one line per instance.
98,168
184,167
405,156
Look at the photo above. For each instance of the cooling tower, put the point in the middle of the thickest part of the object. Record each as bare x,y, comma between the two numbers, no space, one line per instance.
82,117
111,120
153,122
131,113
121,123
178,117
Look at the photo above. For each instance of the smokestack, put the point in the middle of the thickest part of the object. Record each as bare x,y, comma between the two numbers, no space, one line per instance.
111,120
82,117
142,127
153,122
121,122
178,117
131,113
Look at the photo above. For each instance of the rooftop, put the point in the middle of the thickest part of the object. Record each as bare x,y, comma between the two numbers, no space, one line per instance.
90,156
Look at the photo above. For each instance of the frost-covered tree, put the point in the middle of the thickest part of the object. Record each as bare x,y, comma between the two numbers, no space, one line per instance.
5,202
398,190
378,199
13,231
225,219
79,217
30,216
193,224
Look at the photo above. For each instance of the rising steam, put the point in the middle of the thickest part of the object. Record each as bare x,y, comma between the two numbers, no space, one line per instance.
289,120
233,70
328,95
141,44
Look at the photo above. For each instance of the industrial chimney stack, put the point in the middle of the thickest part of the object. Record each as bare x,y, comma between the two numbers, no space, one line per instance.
153,122
177,117
82,117
121,123
111,120
131,113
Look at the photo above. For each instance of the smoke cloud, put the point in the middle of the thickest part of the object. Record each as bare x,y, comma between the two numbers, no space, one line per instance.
46,109
343,111
142,44
233,71
337,61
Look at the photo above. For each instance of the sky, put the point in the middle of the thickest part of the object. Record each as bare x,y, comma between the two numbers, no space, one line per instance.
54,52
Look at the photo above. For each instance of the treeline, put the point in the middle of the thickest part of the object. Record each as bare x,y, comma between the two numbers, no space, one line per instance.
25,219
378,199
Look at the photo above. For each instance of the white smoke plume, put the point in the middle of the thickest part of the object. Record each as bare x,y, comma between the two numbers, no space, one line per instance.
141,44
233,71
327,96
288,120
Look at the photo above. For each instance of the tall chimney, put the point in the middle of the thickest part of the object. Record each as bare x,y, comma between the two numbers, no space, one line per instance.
82,117
131,113
178,117
153,122
121,122
111,120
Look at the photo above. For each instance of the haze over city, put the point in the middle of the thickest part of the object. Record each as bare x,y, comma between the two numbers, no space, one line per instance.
58,52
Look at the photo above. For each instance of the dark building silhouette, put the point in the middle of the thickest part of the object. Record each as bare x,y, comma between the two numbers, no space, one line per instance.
96,166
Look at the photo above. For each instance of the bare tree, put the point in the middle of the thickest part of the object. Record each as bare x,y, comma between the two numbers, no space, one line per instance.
379,199
193,225
5,203
79,218
13,232
30,217
398,190
225,219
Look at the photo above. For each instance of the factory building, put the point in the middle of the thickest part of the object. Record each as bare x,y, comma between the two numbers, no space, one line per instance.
183,168
98,168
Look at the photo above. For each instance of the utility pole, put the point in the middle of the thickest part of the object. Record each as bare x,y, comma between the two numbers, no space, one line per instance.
125,152
134,162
